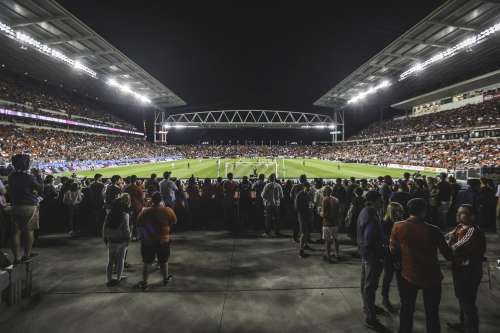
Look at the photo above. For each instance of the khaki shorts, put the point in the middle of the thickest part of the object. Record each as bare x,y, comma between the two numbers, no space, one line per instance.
25,218
329,233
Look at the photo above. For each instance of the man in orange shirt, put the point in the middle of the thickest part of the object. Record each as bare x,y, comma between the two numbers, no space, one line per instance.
136,193
417,243
155,230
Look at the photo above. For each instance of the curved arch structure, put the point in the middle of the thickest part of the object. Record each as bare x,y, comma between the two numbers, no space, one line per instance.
226,119
248,118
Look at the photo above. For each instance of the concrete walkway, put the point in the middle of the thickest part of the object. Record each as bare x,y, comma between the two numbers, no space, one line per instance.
220,284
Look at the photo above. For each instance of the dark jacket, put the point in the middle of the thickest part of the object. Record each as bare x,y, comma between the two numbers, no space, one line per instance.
370,235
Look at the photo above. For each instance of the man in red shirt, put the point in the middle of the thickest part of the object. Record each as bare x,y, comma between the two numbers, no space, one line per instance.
417,243
155,230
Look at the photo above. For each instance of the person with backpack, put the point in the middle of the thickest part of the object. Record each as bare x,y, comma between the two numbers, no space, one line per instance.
116,235
271,195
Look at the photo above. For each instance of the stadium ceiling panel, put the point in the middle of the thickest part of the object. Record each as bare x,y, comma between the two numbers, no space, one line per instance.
452,23
248,118
51,24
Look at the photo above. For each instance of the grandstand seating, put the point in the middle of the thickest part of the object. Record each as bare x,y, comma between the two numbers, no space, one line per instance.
26,94
56,147
468,117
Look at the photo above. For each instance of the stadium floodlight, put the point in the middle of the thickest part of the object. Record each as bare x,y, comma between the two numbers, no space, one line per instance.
332,126
372,90
26,40
448,53
179,126
125,88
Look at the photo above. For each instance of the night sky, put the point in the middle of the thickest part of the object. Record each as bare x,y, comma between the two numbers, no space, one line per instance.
259,54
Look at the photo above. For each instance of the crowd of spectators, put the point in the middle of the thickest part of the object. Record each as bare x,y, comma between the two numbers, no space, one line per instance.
33,96
53,146
468,116
377,214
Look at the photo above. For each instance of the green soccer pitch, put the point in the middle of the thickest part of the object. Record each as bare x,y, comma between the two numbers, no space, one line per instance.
286,168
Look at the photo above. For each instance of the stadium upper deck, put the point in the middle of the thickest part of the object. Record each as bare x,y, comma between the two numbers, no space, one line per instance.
29,28
460,34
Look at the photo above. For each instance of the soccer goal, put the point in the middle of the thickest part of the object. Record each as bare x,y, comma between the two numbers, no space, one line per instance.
240,168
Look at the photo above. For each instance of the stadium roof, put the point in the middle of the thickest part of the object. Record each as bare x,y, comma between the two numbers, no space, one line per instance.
51,24
486,80
450,24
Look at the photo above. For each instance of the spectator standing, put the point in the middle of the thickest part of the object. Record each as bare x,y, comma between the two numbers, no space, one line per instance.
444,199
208,201
244,204
3,216
116,234
357,204
272,195
155,229
136,194
72,199
469,245
486,202
304,206
113,191
230,188
23,189
152,185
193,202
330,213
392,264
498,210
370,243
296,188
96,204
417,243
168,190
257,188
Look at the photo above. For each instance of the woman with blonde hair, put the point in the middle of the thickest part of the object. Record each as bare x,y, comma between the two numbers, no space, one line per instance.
116,234
394,213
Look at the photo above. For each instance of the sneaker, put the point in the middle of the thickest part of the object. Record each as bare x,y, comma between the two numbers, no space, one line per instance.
379,310
165,281
123,277
111,283
459,327
302,254
374,324
143,285
387,304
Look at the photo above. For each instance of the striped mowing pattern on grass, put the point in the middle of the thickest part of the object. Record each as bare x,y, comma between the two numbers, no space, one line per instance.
287,168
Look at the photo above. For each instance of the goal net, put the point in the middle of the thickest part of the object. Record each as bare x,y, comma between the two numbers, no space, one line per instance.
247,168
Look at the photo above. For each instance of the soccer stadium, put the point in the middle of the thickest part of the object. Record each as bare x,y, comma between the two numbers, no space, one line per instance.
249,167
